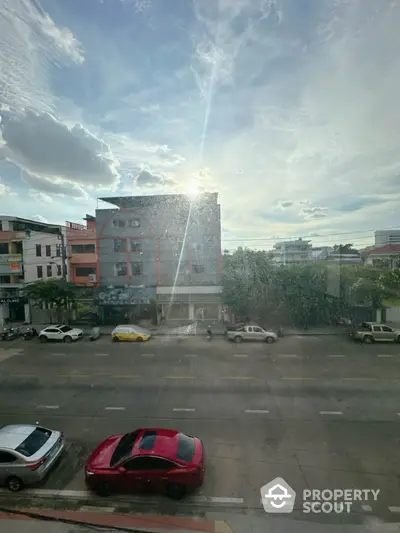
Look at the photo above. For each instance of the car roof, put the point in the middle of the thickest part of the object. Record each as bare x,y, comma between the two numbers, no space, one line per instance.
12,436
132,327
165,443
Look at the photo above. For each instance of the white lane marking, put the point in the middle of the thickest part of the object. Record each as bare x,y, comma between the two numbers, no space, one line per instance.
95,509
114,408
47,407
87,495
58,354
336,356
240,355
330,413
288,355
385,355
367,508
260,411
394,509
147,354
183,409
190,354
101,354
221,499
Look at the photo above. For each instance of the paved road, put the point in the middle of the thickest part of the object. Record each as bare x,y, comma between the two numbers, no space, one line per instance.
320,412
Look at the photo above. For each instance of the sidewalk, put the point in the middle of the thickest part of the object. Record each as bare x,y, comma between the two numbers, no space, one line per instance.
320,330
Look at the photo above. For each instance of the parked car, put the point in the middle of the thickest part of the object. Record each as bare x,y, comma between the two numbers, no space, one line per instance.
130,333
148,459
27,453
60,333
252,333
369,332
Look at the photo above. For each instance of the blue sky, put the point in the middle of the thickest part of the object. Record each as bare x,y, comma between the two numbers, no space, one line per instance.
288,108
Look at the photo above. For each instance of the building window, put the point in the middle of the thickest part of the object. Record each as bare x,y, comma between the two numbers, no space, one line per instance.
39,271
134,223
48,250
198,269
59,273
1,225
83,248
119,245
3,247
136,246
118,223
137,268
120,269
84,272
58,250
49,271
5,279
38,250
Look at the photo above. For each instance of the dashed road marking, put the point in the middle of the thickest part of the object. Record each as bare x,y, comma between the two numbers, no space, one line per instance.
336,356
240,355
101,354
96,509
47,407
367,508
385,355
190,354
394,508
359,379
114,408
222,499
58,354
256,411
288,355
126,376
183,409
179,377
147,354
330,413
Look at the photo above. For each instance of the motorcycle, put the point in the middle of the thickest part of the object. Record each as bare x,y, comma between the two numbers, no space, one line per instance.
29,333
209,334
10,334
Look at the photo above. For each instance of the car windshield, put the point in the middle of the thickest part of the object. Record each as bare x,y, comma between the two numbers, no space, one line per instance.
64,329
186,448
124,448
34,441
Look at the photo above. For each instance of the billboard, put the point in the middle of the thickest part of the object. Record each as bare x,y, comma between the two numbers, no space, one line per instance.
11,264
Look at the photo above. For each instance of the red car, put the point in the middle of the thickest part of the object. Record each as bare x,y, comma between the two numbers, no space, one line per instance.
150,459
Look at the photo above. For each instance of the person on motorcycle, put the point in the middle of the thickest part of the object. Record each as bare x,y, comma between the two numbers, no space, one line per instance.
209,332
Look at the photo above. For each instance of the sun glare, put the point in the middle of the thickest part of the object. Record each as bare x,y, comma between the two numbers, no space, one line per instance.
192,190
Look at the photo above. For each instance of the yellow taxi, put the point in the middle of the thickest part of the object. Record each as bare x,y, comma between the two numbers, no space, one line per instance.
130,333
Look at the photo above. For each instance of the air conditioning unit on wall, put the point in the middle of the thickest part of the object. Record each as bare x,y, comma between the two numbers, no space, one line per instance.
92,278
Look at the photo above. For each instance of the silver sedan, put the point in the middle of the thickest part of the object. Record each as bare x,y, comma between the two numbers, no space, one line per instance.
27,453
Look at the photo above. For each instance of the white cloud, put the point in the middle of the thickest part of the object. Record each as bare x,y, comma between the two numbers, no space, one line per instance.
40,196
42,145
39,218
52,187
30,45
4,189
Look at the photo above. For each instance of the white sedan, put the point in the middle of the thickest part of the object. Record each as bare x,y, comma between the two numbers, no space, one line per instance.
60,333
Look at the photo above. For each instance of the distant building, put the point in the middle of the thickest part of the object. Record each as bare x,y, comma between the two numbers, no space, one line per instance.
385,256
159,258
287,252
81,252
389,236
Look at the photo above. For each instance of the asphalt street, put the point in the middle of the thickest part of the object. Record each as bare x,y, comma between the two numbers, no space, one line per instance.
320,412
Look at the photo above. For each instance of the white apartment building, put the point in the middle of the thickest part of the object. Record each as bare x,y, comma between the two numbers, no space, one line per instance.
387,236
42,256
297,251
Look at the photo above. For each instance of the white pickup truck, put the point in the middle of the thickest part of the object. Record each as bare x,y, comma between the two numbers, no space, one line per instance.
252,333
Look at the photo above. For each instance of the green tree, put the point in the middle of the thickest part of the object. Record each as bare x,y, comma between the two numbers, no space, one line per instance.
53,294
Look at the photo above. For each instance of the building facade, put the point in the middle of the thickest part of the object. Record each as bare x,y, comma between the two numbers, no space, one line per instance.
385,256
159,258
384,237
81,252
29,250
287,252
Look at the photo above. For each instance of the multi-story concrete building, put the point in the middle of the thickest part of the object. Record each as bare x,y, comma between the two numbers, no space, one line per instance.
286,252
29,250
387,236
159,257
81,252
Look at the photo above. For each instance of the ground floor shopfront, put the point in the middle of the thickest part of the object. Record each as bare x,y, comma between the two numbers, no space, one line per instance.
189,303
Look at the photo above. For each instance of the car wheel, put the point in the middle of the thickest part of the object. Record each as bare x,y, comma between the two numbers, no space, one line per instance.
398,339
14,484
103,489
139,339
67,339
43,338
238,339
368,339
115,339
269,340
175,491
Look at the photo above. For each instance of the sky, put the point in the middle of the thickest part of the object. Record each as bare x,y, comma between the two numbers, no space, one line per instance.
287,108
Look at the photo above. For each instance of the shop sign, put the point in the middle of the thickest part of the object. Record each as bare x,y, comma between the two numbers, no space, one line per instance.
10,264
10,300
131,295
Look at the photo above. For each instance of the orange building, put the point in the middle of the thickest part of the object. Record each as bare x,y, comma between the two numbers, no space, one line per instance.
81,252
